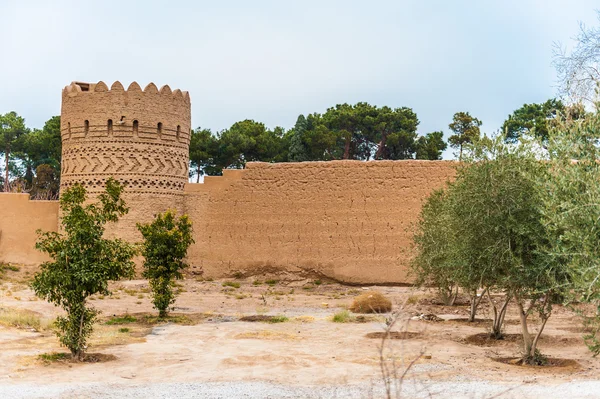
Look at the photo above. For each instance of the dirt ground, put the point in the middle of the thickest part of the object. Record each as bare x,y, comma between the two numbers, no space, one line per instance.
206,341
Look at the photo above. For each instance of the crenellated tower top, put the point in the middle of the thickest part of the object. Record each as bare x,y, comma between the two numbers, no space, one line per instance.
140,137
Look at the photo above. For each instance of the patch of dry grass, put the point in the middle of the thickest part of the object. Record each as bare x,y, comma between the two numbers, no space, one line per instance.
303,319
371,302
21,318
104,335
268,335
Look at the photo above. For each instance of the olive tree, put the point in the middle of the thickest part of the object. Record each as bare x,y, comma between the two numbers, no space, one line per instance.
433,235
166,241
504,213
83,261
572,209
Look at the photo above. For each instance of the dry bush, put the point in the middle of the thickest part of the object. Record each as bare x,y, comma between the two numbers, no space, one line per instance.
371,302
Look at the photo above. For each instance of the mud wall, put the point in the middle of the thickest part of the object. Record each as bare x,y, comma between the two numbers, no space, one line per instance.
346,220
19,220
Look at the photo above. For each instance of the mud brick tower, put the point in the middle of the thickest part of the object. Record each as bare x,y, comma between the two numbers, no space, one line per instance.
139,137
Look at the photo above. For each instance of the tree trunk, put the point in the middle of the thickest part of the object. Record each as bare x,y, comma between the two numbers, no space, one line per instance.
544,315
475,301
499,315
198,174
527,341
6,183
381,146
460,153
448,296
347,148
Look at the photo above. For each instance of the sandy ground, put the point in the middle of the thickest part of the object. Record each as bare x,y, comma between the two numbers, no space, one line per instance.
306,356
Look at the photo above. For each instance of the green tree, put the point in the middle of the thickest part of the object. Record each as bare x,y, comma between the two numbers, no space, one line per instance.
312,140
45,184
466,131
572,210
251,141
431,146
166,241
298,151
433,240
41,146
83,262
205,154
12,126
531,119
498,202
352,127
395,132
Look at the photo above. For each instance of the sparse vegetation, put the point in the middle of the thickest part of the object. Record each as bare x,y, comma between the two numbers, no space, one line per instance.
343,316
238,275
278,319
126,319
20,319
233,284
53,357
271,282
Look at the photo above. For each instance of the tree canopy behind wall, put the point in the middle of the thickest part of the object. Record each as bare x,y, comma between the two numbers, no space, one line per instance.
359,132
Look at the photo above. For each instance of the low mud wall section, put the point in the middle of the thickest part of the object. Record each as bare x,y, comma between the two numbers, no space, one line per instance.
19,219
348,221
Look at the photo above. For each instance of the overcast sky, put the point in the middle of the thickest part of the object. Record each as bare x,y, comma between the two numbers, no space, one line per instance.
273,60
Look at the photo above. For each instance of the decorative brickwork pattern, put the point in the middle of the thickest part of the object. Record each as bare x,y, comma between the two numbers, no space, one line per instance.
140,138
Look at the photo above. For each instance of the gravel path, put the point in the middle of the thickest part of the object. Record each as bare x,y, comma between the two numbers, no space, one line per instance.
468,389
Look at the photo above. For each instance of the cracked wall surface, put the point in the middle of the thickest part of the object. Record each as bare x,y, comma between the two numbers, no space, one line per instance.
19,220
345,220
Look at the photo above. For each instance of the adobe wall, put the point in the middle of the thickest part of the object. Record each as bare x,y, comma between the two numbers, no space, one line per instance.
19,220
345,220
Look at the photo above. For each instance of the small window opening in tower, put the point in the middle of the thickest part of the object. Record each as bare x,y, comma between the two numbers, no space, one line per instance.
84,86
69,127
178,131
86,126
159,127
135,126
110,126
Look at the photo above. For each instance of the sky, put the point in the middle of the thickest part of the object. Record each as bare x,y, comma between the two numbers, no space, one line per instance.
273,60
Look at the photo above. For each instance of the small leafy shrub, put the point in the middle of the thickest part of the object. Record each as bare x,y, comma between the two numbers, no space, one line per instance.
233,284
121,320
342,317
166,241
7,266
278,319
371,302
83,261
52,357
123,330
271,282
317,282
